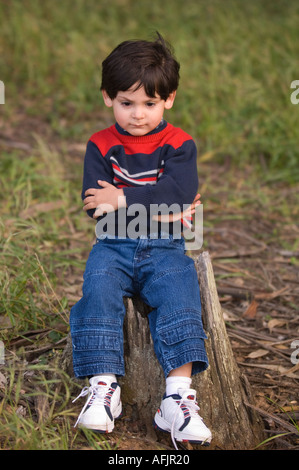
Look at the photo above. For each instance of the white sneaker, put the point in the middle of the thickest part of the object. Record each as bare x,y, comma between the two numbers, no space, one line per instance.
103,405
178,414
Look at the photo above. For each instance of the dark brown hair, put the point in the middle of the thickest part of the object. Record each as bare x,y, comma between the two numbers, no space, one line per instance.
150,64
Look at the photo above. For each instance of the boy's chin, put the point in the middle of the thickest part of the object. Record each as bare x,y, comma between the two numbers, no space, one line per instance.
138,131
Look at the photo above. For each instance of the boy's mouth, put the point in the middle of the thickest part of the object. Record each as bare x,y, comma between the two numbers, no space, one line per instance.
138,126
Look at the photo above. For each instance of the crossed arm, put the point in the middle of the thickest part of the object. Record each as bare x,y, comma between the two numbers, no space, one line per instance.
108,198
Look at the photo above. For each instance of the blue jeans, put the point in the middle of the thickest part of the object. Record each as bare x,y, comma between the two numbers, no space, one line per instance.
157,270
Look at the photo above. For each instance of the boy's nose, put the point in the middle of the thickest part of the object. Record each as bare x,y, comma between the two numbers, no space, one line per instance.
138,112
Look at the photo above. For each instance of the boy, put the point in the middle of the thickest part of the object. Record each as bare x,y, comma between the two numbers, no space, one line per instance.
141,163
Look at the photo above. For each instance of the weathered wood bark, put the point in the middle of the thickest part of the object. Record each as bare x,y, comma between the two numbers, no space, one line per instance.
222,390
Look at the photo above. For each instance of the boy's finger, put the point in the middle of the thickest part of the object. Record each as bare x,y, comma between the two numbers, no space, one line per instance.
90,191
103,183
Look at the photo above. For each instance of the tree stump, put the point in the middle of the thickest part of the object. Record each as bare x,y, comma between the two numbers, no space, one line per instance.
222,390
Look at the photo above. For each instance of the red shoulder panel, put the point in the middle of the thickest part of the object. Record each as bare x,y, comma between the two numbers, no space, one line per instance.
105,139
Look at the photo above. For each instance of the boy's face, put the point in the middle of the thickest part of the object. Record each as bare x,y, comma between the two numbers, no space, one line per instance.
136,112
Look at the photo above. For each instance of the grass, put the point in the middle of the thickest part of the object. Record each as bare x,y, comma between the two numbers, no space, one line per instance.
47,425
292,425
34,220
238,60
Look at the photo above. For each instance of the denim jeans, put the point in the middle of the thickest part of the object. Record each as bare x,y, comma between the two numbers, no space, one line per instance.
159,271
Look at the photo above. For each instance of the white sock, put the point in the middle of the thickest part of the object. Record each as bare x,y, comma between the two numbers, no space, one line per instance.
108,378
173,383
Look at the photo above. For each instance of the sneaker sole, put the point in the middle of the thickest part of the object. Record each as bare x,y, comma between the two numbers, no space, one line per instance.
104,429
161,425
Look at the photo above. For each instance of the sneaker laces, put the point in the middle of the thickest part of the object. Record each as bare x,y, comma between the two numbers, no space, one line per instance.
193,409
97,395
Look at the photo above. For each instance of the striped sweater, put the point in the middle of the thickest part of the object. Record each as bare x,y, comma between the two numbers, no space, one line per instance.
158,168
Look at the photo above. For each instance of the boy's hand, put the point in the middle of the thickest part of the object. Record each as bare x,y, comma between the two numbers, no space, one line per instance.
173,217
106,199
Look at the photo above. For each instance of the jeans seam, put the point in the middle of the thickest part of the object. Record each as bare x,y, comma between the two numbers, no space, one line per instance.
104,272
166,273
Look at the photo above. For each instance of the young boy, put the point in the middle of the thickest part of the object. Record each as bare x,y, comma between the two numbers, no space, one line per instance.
141,163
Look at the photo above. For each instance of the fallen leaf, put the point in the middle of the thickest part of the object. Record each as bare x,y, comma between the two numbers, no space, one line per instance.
250,312
274,323
290,372
288,408
257,353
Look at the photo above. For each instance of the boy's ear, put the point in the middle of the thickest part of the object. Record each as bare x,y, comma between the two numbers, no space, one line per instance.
107,99
170,100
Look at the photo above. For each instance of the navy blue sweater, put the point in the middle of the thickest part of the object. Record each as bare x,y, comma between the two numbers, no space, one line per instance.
158,168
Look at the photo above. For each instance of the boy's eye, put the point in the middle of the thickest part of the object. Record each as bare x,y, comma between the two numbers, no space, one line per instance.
126,103
150,104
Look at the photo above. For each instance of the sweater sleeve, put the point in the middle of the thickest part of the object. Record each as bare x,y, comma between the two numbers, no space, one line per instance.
96,168
177,185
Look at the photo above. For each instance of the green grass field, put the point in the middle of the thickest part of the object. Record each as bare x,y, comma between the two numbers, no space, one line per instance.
238,59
